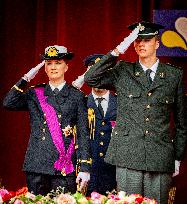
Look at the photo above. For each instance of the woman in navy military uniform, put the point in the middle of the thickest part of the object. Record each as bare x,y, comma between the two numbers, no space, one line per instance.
58,118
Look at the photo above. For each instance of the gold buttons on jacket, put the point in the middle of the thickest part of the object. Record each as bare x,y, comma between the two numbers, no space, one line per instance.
147,119
43,130
103,123
102,133
43,138
149,94
147,132
59,115
101,154
148,106
101,143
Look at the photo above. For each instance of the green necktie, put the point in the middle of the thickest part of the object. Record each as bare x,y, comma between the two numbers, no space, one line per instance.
149,79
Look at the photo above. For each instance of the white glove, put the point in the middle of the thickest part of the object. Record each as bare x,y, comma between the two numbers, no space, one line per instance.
32,73
78,83
177,166
122,47
83,178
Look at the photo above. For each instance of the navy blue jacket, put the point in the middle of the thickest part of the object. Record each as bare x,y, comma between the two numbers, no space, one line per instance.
70,107
103,176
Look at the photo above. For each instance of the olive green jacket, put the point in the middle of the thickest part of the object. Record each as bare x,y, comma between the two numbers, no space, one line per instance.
142,138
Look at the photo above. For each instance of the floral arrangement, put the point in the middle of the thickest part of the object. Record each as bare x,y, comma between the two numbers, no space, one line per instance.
68,130
22,196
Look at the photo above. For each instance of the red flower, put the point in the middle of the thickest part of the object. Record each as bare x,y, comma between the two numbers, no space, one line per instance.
12,194
113,123
22,191
139,200
6,197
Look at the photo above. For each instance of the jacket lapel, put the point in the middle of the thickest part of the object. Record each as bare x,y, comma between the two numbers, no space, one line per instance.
159,77
91,104
63,94
140,76
111,107
51,97
58,100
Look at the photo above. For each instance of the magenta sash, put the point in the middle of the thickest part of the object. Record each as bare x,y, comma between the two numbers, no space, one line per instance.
64,162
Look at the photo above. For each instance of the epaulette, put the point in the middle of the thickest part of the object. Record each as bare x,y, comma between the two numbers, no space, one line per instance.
127,63
174,66
86,97
76,88
130,62
37,85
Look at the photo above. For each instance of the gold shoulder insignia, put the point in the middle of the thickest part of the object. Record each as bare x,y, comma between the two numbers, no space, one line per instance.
91,122
174,66
37,85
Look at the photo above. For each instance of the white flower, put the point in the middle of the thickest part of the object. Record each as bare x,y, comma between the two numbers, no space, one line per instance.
65,199
110,201
122,194
30,196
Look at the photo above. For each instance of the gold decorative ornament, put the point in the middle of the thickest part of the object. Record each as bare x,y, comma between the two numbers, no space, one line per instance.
68,130
97,59
91,122
52,52
17,88
85,161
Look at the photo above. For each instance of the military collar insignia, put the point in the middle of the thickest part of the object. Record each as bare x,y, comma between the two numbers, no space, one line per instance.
162,75
97,59
137,74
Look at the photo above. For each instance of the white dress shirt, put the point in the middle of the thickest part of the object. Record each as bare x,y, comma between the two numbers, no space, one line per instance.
59,86
104,102
153,68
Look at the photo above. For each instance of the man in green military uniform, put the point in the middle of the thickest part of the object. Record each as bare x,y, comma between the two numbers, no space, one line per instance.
149,92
